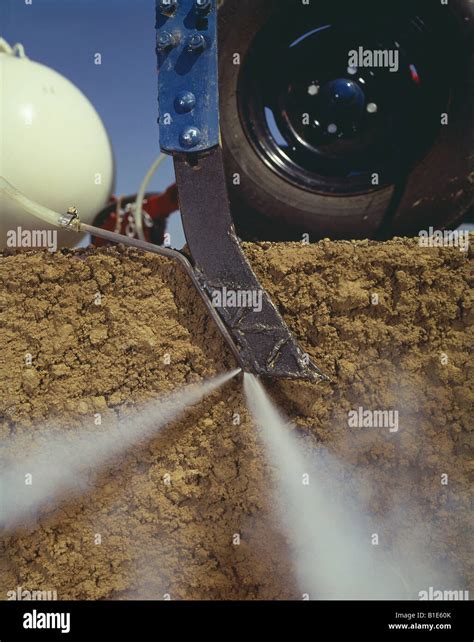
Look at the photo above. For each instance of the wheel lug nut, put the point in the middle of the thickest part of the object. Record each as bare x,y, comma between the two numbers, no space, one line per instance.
190,137
166,41
167,7
185,102
196,43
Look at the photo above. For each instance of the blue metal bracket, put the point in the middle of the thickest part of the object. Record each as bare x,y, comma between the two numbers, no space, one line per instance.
188,93
189,125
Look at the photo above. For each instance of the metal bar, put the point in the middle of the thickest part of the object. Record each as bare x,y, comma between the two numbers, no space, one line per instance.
266,345
144,246
189,129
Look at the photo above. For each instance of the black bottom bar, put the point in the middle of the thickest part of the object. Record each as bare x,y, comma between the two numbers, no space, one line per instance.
235,621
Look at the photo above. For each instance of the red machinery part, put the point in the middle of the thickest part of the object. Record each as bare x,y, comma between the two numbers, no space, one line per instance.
119,216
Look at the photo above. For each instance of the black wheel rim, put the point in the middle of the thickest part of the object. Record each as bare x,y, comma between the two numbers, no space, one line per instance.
327,127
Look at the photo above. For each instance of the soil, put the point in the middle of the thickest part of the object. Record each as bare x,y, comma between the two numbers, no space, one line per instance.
100,331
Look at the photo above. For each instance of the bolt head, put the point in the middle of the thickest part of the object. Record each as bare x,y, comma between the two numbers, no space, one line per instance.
190,137
372,108
166,41
185,102
196,42
167,7
203,7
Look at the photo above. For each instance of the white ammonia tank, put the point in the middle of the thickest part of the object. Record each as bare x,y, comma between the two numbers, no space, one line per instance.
53,148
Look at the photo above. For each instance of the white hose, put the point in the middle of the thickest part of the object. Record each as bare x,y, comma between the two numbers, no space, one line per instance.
71,221
53,218
141,196
44,213
16,50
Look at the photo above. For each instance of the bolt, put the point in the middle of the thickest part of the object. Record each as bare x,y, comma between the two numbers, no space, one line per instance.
166,41
313,89
332,128
196,43
190,137
203,7
372,108
168,7
185,102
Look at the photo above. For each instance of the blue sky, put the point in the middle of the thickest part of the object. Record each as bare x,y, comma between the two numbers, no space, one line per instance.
65,35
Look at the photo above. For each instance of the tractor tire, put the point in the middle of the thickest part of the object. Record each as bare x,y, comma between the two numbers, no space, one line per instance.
433,186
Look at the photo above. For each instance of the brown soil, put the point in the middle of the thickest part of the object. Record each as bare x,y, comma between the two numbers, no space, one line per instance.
411,351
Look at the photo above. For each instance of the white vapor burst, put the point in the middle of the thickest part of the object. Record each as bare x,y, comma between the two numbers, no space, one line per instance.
331,536
67,463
